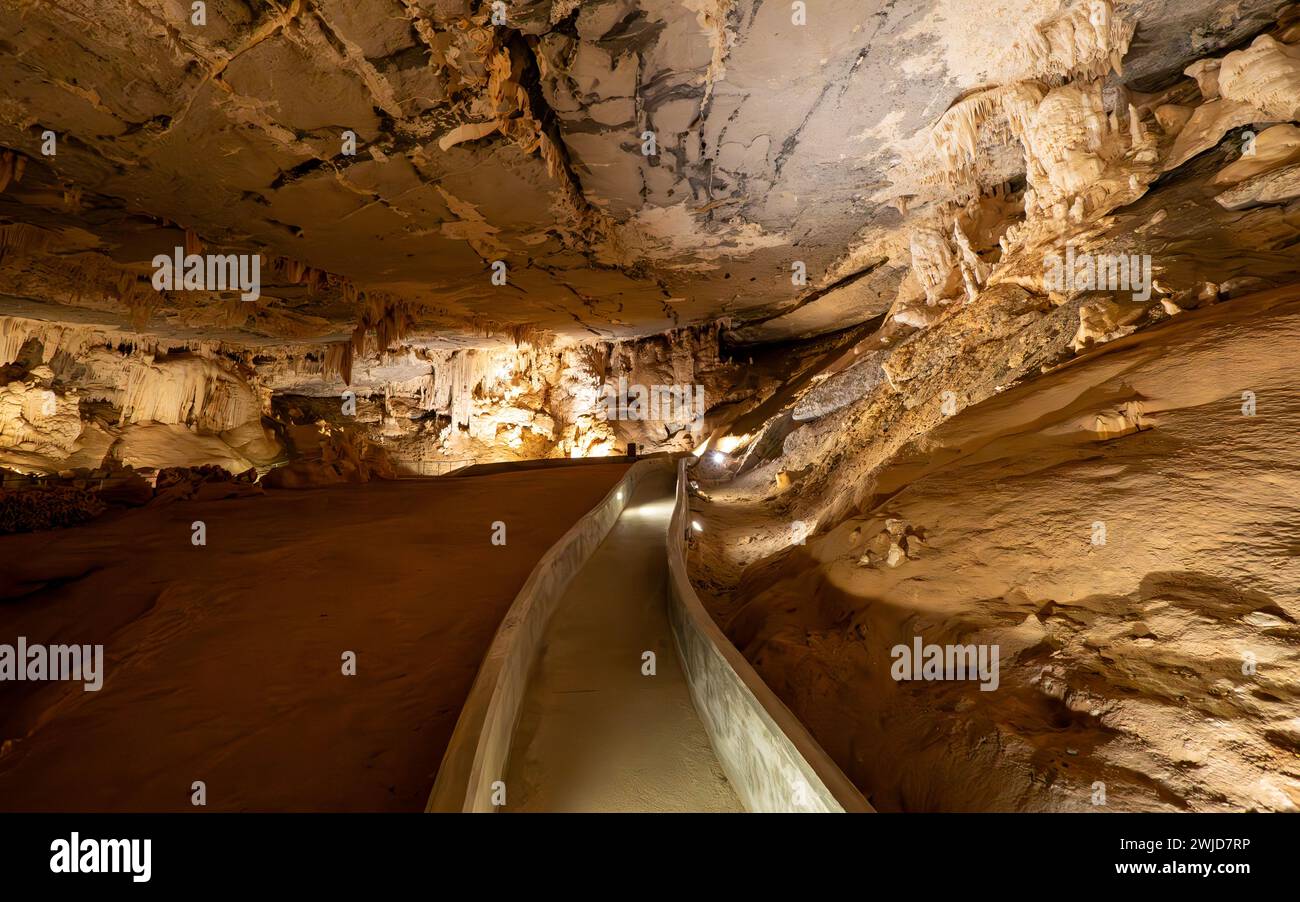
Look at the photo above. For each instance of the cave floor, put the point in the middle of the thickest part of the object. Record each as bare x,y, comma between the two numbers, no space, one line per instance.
595,732
223,663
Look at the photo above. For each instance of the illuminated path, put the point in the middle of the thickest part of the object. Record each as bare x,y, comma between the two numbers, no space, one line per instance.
594,733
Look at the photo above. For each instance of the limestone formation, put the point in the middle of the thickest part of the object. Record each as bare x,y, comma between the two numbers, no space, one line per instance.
975,324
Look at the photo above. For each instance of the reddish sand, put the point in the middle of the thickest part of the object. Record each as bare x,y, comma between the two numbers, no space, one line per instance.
223,663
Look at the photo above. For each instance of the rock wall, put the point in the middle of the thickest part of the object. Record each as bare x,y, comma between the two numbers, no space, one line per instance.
943,476
432,409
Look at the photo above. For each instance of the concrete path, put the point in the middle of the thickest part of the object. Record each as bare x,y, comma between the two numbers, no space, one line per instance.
595,734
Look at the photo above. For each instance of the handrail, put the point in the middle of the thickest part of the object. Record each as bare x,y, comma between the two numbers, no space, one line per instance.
770,758
479,749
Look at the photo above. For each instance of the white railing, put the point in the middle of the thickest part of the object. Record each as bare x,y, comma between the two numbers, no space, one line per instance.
479,749
431,467
770,758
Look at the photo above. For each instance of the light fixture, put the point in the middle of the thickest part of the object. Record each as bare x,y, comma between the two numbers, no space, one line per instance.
695,525
719,458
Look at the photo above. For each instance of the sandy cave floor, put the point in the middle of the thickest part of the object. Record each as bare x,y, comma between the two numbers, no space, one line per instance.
223,662
1121,664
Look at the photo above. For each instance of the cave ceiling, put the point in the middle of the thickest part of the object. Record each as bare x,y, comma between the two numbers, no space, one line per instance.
775,143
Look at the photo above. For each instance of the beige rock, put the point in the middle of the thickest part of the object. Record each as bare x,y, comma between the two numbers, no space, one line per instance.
1172,117
1265,75
918,316
1271,148
895,556
1086,39
933,262
879,544
1207,125
1105,320
37,420
1069,143
1270,188
1206,73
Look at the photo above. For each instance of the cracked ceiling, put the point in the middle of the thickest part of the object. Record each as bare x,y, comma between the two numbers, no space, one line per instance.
774,143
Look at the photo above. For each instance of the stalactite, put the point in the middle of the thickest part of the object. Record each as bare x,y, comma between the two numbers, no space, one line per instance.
974,272
932,261
20,238
12,166
1086,41
187,390
954,139
338,361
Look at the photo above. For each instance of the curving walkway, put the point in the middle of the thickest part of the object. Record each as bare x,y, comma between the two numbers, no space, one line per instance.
594,733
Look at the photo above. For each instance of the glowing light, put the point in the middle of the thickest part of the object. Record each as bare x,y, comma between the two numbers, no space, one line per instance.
729,443
620,495
695,525
719,458
650,511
